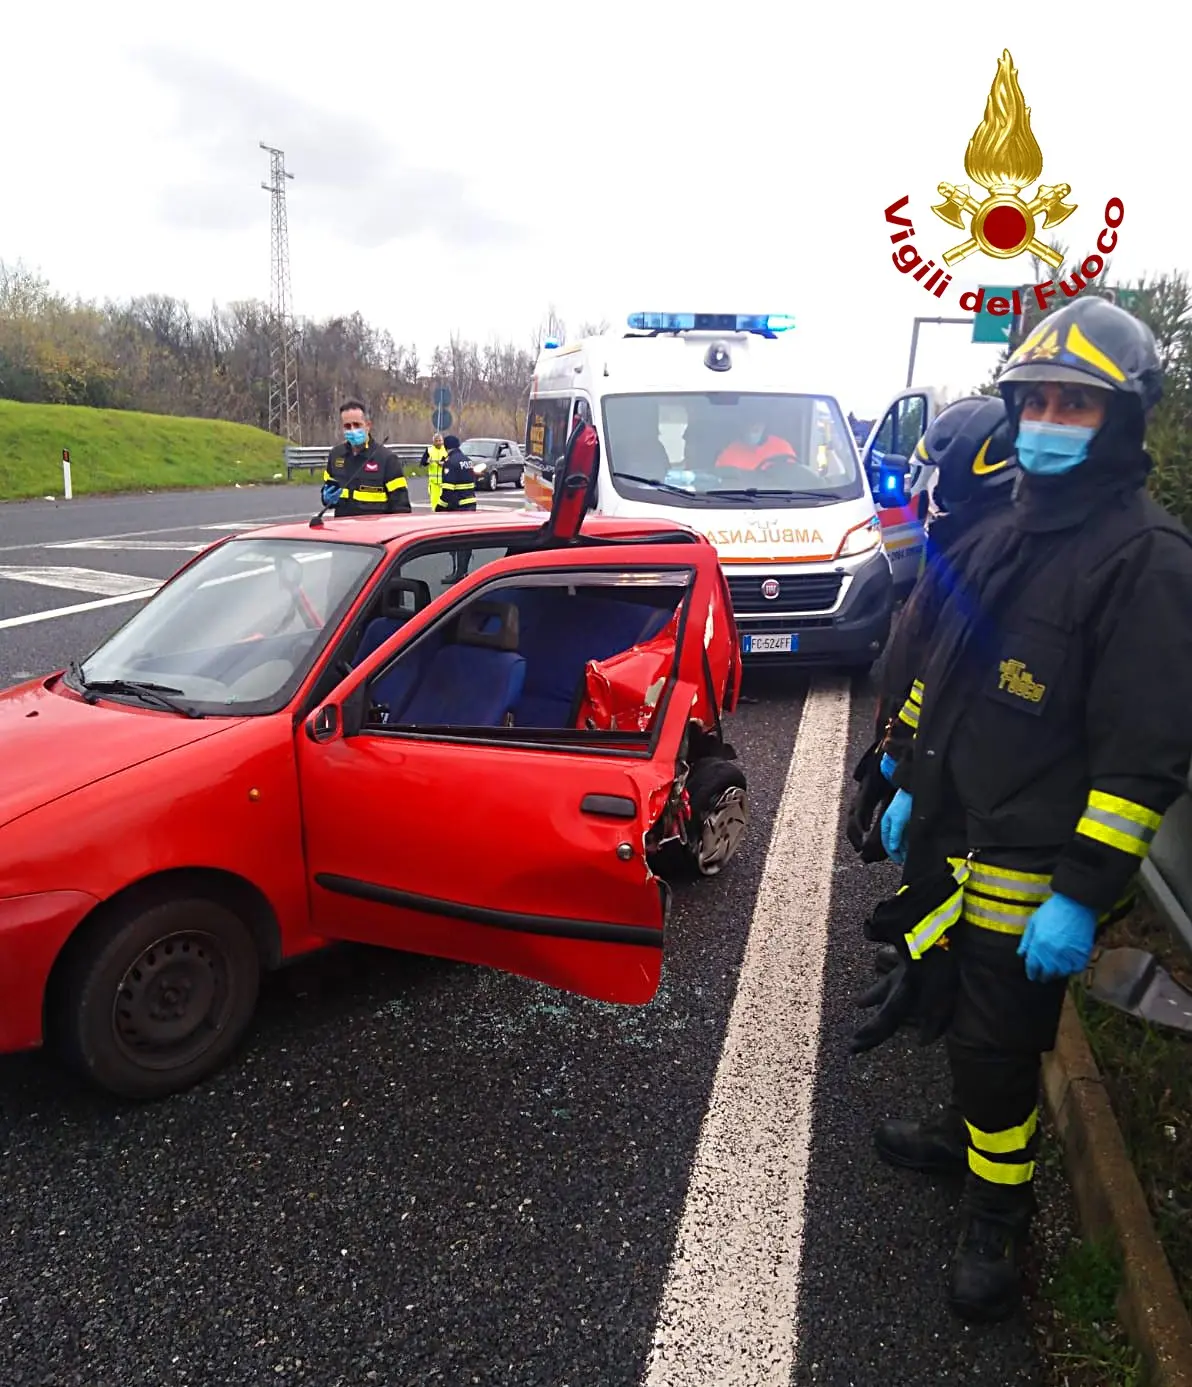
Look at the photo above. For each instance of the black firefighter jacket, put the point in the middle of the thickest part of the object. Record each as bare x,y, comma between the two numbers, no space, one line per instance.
372,480
1053,714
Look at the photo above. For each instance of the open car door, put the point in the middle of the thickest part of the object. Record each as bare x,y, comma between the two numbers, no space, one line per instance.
453,807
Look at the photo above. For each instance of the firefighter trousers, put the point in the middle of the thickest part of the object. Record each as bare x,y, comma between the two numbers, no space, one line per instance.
1001,1026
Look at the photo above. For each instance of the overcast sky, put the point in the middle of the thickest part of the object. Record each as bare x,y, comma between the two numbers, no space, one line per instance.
459,166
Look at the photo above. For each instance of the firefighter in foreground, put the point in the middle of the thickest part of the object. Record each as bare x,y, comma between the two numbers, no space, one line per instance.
361,477
1051,735
970,444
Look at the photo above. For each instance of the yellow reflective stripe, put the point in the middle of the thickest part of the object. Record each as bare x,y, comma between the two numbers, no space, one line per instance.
909,713
1007,1141
1000,1174
1001,919
1119,823
395,483
1125,809
327,477
1029,888
933,926
365,495
917,691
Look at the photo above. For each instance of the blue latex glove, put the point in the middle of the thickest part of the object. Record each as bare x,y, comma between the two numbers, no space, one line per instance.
889,765
1058,940
331,493
894,822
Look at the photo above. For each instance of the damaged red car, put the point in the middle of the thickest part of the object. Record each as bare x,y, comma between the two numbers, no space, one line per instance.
246,771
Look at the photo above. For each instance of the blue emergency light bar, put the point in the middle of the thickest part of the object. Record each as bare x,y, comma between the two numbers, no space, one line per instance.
765,324
549,345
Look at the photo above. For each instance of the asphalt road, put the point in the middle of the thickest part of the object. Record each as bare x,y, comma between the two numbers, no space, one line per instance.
420,1173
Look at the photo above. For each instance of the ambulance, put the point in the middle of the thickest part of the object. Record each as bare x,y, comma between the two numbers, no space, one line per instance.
715,420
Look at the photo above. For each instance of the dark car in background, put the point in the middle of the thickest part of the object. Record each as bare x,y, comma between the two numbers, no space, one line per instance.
495,461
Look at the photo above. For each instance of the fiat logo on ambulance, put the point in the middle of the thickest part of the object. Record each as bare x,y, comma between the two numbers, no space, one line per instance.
770,588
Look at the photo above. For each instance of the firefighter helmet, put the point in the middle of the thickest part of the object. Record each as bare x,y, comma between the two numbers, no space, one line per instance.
971,444
1089,342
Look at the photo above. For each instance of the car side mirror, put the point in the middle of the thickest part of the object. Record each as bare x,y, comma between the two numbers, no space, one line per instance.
892,473
323,724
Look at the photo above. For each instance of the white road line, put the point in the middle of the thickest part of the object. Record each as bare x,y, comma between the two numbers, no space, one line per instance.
96,580
164,530
154,546
31,618
729,1309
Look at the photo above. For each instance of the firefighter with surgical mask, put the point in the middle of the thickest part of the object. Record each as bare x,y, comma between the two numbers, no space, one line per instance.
1050,735
361,477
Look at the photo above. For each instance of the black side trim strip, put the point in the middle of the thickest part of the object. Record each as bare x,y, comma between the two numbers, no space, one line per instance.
499,919
608,806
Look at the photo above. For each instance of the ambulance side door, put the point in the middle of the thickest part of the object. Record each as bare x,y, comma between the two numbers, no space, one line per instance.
897,434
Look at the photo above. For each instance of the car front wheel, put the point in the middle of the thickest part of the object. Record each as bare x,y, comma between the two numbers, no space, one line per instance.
158,998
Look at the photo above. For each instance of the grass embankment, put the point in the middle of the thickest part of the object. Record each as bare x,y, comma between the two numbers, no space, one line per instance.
114,450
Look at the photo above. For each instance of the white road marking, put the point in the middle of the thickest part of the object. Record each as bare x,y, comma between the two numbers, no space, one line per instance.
31,618
729,1310
95,580
149,546
164,530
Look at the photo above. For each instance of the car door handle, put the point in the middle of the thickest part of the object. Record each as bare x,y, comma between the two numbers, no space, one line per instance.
608,806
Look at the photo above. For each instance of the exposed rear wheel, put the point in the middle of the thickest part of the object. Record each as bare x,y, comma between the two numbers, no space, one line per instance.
719,817
157,999
719,814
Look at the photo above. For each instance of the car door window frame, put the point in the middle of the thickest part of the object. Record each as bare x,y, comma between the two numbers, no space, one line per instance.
577,740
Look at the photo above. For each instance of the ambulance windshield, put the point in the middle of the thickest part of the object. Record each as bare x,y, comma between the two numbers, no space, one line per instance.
726,449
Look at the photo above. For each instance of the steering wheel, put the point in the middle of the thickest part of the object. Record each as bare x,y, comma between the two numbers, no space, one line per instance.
768,464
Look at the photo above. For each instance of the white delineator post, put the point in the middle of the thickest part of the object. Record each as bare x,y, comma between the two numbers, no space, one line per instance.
66,487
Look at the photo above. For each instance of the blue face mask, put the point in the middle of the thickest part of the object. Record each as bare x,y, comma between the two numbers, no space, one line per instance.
356,437
1046,450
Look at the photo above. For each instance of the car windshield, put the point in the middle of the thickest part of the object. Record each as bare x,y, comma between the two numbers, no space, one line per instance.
480,447
240,628
722,448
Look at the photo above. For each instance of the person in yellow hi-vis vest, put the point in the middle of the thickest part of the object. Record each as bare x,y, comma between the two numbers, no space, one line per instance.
433,459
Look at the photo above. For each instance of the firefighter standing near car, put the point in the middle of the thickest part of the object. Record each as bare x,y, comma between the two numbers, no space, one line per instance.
433,459
970,446
1051,735
361,477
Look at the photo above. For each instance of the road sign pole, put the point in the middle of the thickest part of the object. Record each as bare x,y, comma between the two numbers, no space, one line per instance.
910,367
67,492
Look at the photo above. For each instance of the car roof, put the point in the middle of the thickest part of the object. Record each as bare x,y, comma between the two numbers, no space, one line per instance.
395,529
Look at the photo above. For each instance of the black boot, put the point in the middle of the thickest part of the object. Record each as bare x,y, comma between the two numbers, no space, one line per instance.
938,1145
986,1271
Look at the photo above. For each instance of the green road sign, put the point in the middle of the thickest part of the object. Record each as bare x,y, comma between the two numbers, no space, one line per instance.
1124,298
990,328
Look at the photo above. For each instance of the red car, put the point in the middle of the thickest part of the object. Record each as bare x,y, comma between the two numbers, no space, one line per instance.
246,770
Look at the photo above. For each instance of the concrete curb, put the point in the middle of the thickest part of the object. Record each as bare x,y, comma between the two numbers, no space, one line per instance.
1110,1201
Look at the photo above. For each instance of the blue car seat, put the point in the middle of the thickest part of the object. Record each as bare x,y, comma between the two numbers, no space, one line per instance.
473,679
395,612
560,632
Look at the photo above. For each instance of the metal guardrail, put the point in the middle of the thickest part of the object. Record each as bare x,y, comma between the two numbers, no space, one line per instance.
1167,872
304,459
